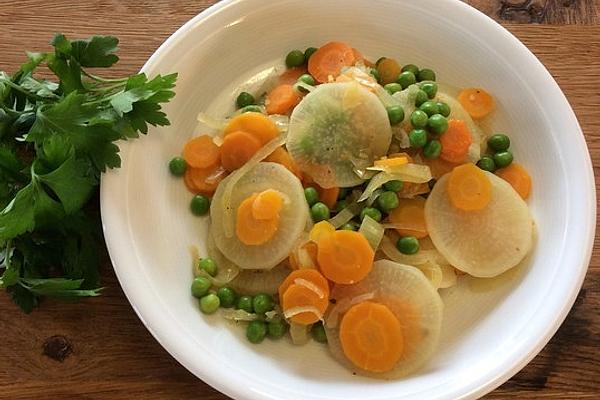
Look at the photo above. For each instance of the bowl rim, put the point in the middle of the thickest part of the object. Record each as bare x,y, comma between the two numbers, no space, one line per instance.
219,378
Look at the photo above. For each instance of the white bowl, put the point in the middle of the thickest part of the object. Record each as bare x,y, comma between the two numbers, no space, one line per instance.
490,330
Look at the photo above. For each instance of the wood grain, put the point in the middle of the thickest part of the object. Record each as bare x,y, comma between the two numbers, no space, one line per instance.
107,352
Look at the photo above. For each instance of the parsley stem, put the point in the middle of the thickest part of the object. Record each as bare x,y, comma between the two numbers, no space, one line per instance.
100,79
20,89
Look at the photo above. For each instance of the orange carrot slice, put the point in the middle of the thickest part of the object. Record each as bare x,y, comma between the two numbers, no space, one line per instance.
281,156
282,99
267,205
518,177
296,260
345,257
391,162
255,123
388,69
311,275
410,212
329,60
320,230
456,141
252,231
439,167
305,288
201,152
468,188
291,75
237,148
204,180
476,101
328,196
371,337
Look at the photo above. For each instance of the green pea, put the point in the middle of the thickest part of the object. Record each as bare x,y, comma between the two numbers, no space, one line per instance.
429,107
311,195
408,245
393,88
252,108
349,226
277,328
371,212
375,74
444,109
411,68
394,186
244,99
380,59
405,79
256,331
177,166
209,303
308,79
199,204
200,286
245,303
420,98
208,265
387,201
395,114
318,332
319,212
499,142
431,88
503,159
426,75
295,58
417,138
227,297
340,205
262,303
432,149
487,163
309,52
418,119
437,124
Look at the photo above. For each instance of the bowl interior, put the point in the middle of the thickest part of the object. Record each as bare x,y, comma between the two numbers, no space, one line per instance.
491,328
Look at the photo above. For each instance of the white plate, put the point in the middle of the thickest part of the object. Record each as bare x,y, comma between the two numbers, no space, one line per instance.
490,331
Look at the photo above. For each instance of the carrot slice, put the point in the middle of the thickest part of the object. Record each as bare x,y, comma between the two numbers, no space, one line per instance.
371,337
296,260
391,162
320,230
410,212
252,231
456,141
204,180
291,75
255,123
281,156
282,99
237,148
267,205
468,188
357,55
518,177
328,196
329,60
201,152
388,69
311,275
345,257
439,167
297,296
476,101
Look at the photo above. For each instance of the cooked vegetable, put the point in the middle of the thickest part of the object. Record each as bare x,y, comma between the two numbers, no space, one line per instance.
177,166
245,303
456,142
309,52
337,129
304,296
411,68
406,78
329,60
418,119
208,265
345,257
388,69
308,79
430,108
408,245
328,196
498,142
387,201
237,148
244,99
414,303
421,98
250,230
295,58
317,332
200,286
311,195
227,297
503,159
410,212
437,124
200,204
201,152
372,213
395,114
210,303
256,331
393,87
487,163
277,328
282,100
407,173
256,124
482,243
253,282
204,180
431,89
477,102
281,156
426,75
432,149
518,177
262,303
469,189
417,138
320,230
395,185
319,212
444,109
372,231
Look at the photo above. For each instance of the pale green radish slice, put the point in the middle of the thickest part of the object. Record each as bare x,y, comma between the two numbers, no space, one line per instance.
292,220
410,296
337,130
482,243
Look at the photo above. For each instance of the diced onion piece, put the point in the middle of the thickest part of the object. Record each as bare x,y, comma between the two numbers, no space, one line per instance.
415,173
299,333
344,216
344,305
238,315
302,309
372,231
310,286
304,86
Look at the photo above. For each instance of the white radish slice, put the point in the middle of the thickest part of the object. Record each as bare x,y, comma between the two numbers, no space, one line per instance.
337,129
414,301
482,243
292,217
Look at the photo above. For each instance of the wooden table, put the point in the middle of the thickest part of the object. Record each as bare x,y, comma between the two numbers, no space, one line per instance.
98,349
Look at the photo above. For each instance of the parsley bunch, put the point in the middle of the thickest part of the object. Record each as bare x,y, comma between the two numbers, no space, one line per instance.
56,138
